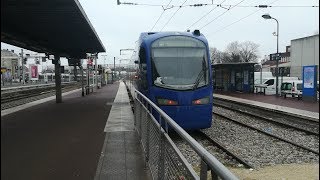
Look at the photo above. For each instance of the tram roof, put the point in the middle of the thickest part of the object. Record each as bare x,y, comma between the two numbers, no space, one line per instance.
170,33
46,26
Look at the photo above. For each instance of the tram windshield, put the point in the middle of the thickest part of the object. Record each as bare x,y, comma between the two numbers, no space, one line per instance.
179,63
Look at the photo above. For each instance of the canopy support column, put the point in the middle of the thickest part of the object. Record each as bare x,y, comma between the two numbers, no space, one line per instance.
57,72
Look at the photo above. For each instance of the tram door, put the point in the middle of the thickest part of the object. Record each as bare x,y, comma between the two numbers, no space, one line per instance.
239,81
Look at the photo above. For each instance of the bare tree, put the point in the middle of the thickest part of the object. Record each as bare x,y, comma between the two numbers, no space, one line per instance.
236,52
249,51
233,52
216,55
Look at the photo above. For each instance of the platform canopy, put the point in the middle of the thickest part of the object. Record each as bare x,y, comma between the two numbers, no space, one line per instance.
49,26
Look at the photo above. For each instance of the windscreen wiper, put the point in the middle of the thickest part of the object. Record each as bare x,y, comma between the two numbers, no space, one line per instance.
200,75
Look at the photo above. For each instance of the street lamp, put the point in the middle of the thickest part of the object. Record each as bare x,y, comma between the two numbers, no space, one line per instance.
267,16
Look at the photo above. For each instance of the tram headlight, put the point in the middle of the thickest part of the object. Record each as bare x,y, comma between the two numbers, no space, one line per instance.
166,102
201,101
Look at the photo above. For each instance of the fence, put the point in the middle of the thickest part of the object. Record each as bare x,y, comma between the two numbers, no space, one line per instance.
161,154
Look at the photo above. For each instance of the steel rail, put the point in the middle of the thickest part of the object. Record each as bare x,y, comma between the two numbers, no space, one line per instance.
269,119
226,150
30,94
267,133
310,119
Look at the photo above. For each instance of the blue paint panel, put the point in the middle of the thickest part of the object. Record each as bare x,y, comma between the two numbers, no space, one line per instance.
246,88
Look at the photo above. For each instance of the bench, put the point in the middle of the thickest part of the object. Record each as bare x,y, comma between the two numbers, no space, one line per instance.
261,86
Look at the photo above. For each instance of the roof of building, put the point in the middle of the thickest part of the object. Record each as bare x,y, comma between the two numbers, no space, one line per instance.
5,53
234,63
53,27
305,37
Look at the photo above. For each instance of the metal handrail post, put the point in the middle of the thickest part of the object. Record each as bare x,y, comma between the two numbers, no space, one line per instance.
148,139
161,156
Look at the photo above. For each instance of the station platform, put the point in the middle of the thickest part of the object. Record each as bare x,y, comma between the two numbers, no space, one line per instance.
121,156
288,105
71,140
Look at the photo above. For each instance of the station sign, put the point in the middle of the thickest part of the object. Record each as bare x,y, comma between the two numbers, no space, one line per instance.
275,56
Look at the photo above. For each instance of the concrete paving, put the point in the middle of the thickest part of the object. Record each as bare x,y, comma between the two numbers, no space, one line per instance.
121,116
121,155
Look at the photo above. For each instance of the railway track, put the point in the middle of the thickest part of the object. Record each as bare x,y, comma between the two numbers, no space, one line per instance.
23,94
304,125
14,99
268,133
224,149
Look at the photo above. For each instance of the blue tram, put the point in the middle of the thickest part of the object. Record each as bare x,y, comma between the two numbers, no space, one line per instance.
174,72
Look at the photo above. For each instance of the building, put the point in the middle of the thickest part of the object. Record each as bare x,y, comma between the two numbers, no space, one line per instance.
9,64
304,51
233,76
284,63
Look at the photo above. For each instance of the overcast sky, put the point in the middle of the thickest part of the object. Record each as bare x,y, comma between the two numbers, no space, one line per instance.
119,26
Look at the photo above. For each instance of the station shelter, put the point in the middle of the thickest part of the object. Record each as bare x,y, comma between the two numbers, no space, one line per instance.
233,77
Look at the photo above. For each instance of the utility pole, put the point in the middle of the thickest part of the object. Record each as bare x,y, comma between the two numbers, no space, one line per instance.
103,78
114,68
96,69
82,84
75,72
22,65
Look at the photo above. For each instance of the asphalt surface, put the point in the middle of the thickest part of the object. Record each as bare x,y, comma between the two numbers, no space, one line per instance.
56,141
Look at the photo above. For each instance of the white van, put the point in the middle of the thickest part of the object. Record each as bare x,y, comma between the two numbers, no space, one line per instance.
292,87
271,84
264,77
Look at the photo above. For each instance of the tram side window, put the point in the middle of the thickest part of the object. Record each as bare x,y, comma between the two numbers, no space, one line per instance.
143,67
142,55
270,82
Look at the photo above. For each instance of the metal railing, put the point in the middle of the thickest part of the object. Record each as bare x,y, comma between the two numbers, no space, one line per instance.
161,154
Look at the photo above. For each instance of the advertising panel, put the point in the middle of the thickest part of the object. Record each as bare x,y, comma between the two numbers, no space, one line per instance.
308,77
34,74
309,91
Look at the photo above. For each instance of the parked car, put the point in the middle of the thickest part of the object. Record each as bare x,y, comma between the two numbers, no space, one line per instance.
292,87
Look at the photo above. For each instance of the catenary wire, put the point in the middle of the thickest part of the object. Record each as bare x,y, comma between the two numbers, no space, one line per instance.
221,14
164,9
205,15
230,5
173,15
225,27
